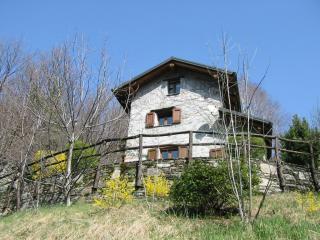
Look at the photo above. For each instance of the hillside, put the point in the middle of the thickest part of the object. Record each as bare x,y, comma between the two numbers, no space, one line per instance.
281,218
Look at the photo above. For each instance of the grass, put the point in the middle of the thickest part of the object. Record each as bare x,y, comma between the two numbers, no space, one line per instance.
281,218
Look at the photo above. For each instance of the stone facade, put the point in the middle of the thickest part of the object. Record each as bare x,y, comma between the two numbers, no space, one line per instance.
198,100
297,178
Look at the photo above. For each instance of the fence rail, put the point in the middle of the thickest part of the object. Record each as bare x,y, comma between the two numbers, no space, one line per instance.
273,146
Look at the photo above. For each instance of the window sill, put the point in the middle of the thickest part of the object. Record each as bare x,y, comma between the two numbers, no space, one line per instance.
163,126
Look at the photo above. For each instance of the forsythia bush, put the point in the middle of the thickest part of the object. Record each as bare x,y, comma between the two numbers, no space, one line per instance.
309,202
41,170
157,186
117,192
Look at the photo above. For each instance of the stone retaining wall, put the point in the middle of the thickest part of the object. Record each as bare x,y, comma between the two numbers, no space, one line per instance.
296,177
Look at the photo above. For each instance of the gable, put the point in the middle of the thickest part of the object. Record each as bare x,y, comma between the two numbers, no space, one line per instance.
174,66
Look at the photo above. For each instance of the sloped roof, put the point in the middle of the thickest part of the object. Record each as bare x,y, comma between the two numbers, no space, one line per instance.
121,92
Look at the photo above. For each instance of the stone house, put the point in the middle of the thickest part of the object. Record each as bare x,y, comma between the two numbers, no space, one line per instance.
178,95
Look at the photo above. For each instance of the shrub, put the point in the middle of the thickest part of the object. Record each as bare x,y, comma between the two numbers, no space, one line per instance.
157,186
117,192
309,202
255,153
83,159
203,187
43,168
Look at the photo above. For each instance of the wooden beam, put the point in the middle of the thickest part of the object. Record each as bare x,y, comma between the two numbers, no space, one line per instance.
138,183
279,167
313,169
190,146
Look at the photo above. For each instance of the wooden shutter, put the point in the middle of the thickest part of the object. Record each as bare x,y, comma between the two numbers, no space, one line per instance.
152,154
150,120
176,115
216,153
183,152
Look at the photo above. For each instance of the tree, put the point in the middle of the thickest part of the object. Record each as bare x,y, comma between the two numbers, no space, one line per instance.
299,129
262,105
73,101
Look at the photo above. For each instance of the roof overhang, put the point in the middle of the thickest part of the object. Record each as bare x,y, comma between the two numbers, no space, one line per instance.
257,125
126,91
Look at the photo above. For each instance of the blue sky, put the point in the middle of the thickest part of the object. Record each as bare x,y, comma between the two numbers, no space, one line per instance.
282,34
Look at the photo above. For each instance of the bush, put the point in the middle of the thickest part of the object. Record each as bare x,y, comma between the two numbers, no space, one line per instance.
255,153
41,168
204,188
83,159
309,202
117,192
157,186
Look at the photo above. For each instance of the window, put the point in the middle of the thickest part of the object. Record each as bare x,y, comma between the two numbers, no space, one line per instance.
166,117
165,120
173,86
170,153
217,153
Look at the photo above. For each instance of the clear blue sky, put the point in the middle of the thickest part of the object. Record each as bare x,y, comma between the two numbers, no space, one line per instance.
284,34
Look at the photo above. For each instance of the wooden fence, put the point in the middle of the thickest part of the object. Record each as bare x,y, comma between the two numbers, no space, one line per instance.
275,147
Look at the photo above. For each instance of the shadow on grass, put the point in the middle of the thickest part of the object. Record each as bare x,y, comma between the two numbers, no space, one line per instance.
192,212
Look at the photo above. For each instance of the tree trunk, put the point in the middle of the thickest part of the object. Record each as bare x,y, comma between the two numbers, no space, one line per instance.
68,173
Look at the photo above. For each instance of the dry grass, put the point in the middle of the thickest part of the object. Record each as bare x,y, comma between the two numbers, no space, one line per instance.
280,219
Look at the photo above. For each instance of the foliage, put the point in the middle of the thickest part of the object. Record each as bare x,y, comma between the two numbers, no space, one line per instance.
309,202
255,153
299,129
116,193
157,186
47,167
203,187
83,159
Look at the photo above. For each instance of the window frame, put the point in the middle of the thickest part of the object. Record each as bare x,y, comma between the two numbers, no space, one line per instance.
171,151
175,82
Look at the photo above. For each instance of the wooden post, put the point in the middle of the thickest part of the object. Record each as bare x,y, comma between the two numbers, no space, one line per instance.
313,169
18,193
96,179
139,165
37,194
190,147
279,166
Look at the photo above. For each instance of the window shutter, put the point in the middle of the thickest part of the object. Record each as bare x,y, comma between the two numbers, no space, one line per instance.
150,120
152,153
183,152
176,115
216,153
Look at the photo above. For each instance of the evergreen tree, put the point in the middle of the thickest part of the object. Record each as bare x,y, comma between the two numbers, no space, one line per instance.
299,129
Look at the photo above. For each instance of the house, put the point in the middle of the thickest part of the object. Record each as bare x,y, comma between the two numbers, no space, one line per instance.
178,95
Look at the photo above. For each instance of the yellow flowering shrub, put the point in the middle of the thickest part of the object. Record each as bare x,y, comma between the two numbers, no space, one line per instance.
117,192
309,202
41,168
157,186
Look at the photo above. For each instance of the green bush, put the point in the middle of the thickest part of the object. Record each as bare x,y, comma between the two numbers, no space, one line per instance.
204,188
83,159
255,152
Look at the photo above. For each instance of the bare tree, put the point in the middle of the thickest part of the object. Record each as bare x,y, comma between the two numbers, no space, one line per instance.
74,100
10,61
238,147
261,104
315,117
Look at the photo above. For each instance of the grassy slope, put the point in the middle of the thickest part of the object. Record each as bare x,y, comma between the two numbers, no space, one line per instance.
280,219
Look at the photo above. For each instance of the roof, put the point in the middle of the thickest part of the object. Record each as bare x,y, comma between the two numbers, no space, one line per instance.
171,59
263,126
123,92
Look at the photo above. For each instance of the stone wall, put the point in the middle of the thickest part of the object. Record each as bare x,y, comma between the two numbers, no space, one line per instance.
296,177
198,100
